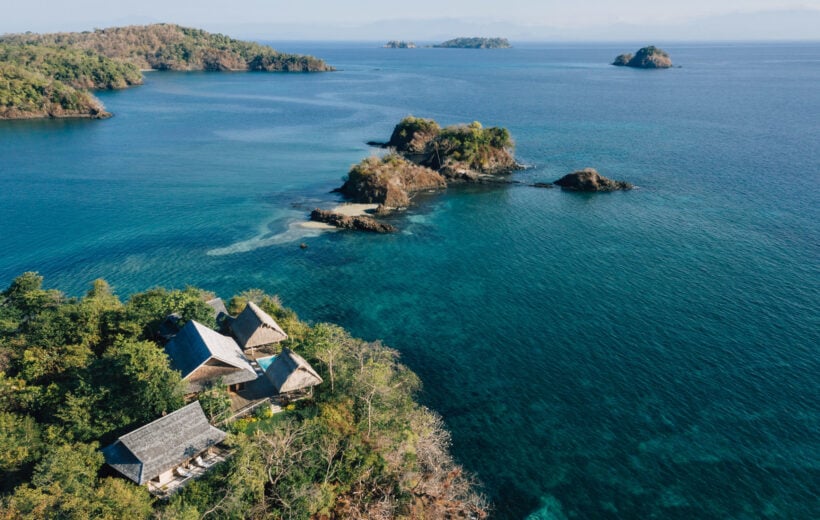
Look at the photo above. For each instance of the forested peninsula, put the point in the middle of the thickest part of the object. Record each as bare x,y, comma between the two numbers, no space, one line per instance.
48,75
77,374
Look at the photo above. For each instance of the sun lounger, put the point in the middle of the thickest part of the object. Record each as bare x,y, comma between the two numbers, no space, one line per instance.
182,472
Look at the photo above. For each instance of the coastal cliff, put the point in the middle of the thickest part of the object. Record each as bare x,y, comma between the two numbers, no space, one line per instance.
389,181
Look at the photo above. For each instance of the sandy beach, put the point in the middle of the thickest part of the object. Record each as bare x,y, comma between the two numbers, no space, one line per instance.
354,210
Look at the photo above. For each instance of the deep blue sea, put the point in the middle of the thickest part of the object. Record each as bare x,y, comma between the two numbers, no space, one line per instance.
643,354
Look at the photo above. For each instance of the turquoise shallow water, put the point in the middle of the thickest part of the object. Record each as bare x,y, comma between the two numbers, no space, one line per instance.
650,354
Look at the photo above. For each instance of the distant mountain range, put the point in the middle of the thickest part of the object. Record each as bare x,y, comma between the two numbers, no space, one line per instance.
785,24
797,24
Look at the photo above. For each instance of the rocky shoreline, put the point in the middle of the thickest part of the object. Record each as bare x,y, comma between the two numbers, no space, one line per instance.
358,223
424,157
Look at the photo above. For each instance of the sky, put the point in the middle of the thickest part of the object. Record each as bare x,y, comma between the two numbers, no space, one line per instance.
377,19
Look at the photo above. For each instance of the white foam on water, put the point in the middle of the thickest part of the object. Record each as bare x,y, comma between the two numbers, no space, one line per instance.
296,230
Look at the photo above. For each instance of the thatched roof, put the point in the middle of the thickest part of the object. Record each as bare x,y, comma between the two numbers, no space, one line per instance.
218,306
254,328
290,372
157,447
202,355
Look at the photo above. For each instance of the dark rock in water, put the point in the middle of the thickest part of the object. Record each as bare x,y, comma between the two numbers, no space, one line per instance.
622,60
543,185
646,58
344,222
303,246
589,179
377,144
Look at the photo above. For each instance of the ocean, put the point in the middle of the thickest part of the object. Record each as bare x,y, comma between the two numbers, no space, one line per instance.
642,354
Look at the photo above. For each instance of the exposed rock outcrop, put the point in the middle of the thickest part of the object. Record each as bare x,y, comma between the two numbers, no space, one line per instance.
426,157
389,181
589,179
357,223
646,58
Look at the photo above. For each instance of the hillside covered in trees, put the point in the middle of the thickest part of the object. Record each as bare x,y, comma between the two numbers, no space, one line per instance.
26,94
62,63
75,373
475,43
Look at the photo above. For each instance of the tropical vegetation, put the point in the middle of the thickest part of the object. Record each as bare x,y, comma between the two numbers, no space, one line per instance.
475,43
472,147
75,373
63,63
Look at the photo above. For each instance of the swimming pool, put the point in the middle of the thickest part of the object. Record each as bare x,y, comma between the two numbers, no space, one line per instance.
265,362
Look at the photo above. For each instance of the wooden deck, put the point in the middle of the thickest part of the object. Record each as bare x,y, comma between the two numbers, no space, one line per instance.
169,488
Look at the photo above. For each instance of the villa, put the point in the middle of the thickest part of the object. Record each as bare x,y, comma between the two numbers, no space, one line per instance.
254,328
204,357
169,451
291,376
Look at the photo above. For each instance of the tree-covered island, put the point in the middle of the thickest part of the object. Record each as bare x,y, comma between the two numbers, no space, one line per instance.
77,374
424,156
399,44
475,43
48,75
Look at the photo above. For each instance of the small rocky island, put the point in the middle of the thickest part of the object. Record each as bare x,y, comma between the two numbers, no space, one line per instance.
475,43
423,157
399,44
590,180
646,58
355,222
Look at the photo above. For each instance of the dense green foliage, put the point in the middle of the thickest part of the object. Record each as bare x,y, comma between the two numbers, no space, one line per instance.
40,72
25,94
475,43
470,146
413,134
82,69
77,372
171,47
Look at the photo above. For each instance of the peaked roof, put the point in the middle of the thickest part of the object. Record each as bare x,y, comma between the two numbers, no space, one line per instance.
290,372
218,306
196,344
254,327
157,447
